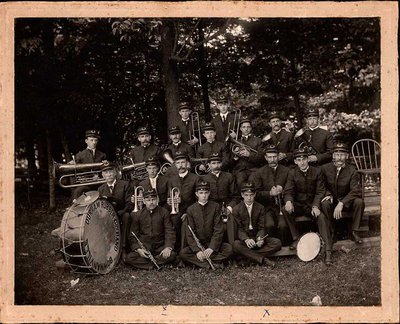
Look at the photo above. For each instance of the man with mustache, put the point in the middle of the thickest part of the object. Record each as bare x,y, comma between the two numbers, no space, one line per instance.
119,193
281,138
343,190
152,225
175,136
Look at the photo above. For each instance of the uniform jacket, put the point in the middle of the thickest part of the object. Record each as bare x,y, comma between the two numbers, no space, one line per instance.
254,160
305,189
187,186
205,150
284,143
322,140
161,187
223,188
153,228
181,147
265,178
120,197
86,156
242,219
185,130
346,187
221,128
141,154
206,223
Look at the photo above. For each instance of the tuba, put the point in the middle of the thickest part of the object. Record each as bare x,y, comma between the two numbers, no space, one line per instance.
174,195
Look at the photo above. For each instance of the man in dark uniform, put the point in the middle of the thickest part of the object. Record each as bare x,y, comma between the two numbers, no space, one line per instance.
205,220
223,119
303,193
249,217
90,155
319,139
177,145
343,190
155,180
269,182
246,161
152,225
185,125
212,146
139,154
281,138
119,193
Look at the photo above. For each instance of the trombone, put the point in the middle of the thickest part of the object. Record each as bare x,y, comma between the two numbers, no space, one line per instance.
174,197
195,126
236,123
138,199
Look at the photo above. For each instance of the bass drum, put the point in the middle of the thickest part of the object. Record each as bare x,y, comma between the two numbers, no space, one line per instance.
309,246
90,235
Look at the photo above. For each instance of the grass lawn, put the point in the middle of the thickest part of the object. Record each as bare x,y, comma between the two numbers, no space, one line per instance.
353,279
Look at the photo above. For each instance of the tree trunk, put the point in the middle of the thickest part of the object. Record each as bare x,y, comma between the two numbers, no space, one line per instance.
52,194
296,97
30,154
170,72
203,74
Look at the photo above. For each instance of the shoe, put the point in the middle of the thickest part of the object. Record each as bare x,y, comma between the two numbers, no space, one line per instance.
293,246
269,263
220,266
356,238
328,258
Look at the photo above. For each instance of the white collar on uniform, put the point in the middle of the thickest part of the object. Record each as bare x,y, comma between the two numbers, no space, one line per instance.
182,175
113,184
313,128
203,204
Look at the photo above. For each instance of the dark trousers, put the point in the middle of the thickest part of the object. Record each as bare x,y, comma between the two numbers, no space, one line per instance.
324,225
125,220
177,224
271,245
188,256
135,260
356,208
276,225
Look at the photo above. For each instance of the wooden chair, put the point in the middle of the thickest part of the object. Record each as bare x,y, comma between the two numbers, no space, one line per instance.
367,157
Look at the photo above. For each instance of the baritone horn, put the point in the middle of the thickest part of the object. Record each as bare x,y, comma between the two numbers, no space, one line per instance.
137,199
174,195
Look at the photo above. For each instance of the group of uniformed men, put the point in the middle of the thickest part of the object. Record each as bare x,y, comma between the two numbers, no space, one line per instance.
261,187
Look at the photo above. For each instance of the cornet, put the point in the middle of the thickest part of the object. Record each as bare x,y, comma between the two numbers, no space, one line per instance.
174,195
237,145
138,199
199,162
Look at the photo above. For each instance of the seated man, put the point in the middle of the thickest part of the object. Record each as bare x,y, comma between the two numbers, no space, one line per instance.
90,155
303,193
177,145
155,181
205,220
152,226
343,190
119,193
269,181
249,217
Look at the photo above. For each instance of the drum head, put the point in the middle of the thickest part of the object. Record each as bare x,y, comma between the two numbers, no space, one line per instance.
308,247
101,237
87,198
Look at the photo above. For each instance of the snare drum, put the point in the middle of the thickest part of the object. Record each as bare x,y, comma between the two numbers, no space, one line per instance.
309,246
90,235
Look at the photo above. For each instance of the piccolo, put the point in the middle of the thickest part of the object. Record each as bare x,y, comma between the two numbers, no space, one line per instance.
201,247
148,253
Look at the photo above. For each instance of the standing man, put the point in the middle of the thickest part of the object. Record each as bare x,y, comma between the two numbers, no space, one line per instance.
205,220
303,193
119,193
269,182
343,190
139,154
223,119
319,139
185,125
90,155
281,138
249,217
177,145
246,159
152,225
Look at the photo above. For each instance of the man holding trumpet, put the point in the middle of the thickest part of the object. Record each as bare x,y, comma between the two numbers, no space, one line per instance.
204,220
253,241
152,226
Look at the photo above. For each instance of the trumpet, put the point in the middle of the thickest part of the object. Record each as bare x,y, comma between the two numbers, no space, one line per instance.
174,194
237,145
138,199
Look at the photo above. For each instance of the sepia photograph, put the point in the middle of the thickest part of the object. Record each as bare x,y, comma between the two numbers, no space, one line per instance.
187,162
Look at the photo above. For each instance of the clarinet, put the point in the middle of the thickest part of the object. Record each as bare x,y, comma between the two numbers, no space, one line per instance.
201,247
146,251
